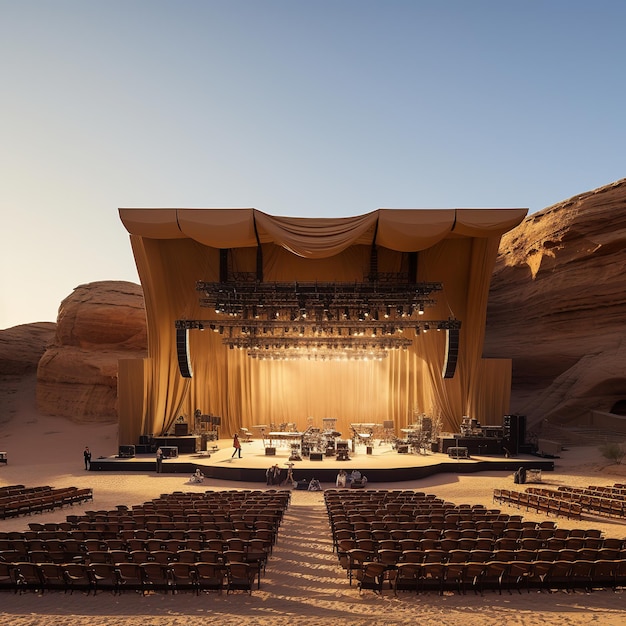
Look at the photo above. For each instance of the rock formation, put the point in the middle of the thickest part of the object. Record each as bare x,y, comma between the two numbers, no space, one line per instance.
98,324
557,307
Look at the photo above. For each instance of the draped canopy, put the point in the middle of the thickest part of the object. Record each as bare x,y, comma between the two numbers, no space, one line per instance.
175,248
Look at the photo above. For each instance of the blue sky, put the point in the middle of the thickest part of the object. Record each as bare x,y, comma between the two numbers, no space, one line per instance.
304,108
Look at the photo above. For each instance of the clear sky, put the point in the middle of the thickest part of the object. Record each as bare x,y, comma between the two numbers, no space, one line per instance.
304,108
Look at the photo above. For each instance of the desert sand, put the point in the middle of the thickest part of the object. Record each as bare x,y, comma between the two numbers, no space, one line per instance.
303,583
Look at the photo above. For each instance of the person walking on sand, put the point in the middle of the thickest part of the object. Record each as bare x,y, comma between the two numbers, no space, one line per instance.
87,455
237,446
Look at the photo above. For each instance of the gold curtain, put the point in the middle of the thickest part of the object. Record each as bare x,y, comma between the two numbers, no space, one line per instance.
176,248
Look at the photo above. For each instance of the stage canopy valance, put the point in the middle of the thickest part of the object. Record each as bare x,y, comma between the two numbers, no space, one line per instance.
176,248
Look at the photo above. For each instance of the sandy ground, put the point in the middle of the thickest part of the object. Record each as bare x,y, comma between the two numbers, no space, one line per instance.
303,583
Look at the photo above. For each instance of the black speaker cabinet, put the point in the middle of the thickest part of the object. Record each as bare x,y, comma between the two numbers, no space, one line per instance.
169,452
513,432
270,451
216,420
182,351
316,456
452,352
126,452
181,430
403,449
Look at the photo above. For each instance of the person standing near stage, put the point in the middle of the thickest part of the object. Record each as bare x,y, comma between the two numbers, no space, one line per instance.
237,446
87,455
159,460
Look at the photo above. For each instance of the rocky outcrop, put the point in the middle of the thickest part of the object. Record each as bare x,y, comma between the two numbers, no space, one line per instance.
557,307
21,347
98,324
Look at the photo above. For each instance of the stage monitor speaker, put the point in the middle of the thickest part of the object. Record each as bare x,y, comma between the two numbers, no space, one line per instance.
126,452
452,352
217,420
316,456
270,451
182,351
181,430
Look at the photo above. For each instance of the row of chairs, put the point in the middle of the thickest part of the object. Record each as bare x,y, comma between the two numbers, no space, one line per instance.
597,502
496,576
540,503
117,578
39,501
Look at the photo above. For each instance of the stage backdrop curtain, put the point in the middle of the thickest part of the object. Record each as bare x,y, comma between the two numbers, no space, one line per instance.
174,249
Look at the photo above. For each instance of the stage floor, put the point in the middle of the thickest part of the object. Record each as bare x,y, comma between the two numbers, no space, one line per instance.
384,464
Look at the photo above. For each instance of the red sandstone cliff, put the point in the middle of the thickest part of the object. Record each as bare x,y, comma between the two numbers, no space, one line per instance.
557,307
98,324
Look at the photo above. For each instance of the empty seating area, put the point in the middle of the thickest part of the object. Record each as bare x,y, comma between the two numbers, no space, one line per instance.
17,500
540,501
566,501
411,541
177,542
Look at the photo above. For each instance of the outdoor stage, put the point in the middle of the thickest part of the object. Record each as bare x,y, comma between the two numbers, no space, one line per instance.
384,464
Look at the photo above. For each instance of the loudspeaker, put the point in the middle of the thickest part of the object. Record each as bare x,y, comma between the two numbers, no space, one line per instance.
142,448
182,351
217,420
514,432
452,352
270,451
144,440
126,452
316,456
403,449
181,430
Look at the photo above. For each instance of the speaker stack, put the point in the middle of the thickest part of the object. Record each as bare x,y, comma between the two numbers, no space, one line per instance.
514,433
452,352
182,351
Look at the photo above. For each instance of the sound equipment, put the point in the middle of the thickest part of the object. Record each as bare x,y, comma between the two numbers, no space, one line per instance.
403,449
142,448
169,452
452,352
126,452
514,433
216,420
270,451
316,456
182,351
181,430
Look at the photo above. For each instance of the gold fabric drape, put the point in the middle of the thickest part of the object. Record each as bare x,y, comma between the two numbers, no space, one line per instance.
175,248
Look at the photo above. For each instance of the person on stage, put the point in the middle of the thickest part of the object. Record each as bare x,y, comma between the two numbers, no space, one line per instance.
159,460
87,455
236,446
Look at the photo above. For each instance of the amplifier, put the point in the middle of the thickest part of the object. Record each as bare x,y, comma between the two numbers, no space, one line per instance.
403,449
316,456
169,452
126,452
